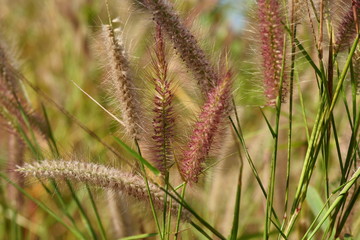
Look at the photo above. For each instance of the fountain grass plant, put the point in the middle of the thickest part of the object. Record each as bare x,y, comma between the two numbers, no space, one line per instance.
183,151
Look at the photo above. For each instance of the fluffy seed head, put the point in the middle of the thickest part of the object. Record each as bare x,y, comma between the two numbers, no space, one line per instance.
163,120
272,41
212,116
347,29
184,42
97,175
12,101
119,77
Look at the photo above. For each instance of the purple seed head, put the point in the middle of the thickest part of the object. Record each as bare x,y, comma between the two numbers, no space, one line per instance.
163,120
347,29
212,116
272,41
184,42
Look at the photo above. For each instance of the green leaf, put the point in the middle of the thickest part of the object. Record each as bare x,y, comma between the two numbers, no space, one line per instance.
138,157
145,235
316,205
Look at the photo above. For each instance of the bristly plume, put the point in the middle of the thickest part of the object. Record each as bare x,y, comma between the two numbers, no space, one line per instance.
99,176
210,120
119,77
184,42
12,101
346,31
271,33
163,120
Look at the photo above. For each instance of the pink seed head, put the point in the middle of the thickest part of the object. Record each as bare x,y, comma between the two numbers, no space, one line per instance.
272,41
212,116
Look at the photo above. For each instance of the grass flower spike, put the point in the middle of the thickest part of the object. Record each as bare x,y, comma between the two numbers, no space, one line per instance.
184,42
212,115
347,29
97,175
272,41
163,121
118,76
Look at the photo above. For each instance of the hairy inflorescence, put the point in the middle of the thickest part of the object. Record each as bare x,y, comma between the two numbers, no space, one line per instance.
212,115
347,28
99,176
163,120
13,106
119,77
184,42
271,32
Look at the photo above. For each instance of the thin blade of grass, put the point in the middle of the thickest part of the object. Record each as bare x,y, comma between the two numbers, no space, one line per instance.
97,215
268,124
235,224
316,204
140,236
76,233
336,202
142,160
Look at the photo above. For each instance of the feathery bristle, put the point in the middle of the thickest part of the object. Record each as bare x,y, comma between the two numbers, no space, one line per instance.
163,120
347,29
212,115
118,67
272,41
11,98
97,175
184,42
9,85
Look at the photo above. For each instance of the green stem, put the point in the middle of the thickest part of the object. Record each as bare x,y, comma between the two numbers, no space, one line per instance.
315,142
179,213
271,188
98,219
45,208
149,193
338,200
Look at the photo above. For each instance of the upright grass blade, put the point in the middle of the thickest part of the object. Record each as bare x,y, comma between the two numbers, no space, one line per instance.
82,211
305,53
147,186
316,204
179,213
76,233
315,142
349,209
142,160
140,236
185,205
235,224
98,219
276,221
336,202
273,164
273,134
197,227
